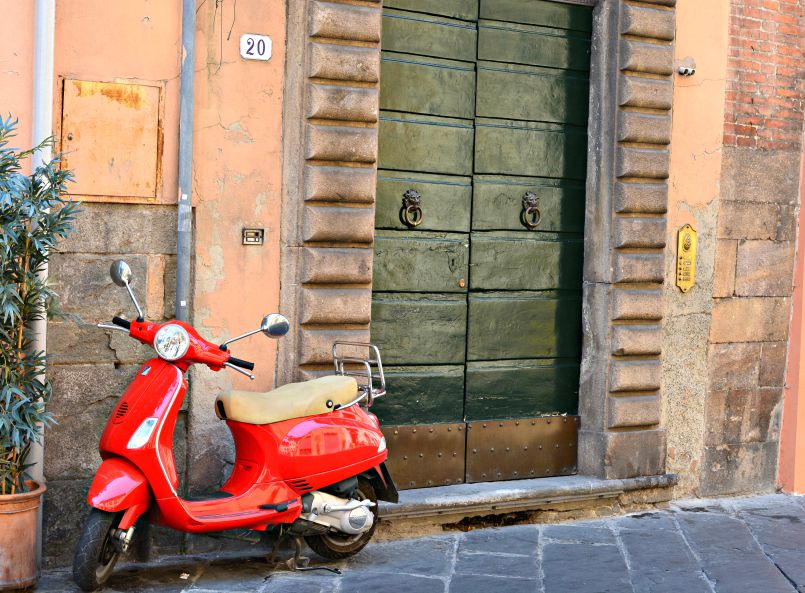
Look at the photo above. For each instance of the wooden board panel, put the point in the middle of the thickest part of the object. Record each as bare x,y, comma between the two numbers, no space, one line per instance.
504,147
427,85
457,9
424,143
422,329
521,388
512,325
525,261
446,200
530,93
498,201
421,262
422,395
425,35
535,46
538,12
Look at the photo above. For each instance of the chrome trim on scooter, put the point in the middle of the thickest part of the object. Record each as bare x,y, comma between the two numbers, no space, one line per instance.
159,431
368,390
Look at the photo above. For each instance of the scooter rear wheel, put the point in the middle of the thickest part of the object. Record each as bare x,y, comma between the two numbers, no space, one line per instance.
336,546
95,554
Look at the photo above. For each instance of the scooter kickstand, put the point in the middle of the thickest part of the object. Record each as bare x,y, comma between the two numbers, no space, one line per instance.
300,563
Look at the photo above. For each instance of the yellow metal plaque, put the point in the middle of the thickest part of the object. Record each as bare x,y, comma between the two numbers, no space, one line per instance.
686,258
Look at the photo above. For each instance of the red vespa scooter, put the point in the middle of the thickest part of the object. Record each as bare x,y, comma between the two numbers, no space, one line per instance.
309,458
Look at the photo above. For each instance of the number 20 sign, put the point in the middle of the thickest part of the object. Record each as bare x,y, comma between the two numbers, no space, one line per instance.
255,47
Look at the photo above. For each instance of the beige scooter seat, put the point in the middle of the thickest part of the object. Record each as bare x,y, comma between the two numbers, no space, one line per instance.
294,400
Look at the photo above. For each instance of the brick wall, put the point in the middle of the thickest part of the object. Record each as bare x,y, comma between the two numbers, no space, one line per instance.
756,240
765,75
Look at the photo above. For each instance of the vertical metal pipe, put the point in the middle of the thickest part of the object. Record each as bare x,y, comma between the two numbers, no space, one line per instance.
184,245
42,128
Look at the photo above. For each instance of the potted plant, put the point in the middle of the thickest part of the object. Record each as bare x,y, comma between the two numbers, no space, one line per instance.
35,214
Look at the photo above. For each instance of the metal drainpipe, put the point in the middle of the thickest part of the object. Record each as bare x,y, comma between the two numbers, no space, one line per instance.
42,128
184,244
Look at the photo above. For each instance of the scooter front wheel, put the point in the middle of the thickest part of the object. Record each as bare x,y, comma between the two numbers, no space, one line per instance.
96,554
336,546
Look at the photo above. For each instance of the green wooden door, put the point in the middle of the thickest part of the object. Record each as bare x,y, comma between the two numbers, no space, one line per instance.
477,315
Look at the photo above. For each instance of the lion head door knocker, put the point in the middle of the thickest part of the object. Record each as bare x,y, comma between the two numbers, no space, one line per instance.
411,212
530,215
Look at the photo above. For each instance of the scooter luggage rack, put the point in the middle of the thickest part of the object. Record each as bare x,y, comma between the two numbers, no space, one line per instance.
367,390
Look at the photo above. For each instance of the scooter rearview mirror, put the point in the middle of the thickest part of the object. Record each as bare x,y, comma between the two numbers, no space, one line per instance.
120,272
122,276
275,325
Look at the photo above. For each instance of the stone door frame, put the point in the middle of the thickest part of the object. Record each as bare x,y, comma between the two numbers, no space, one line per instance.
329,175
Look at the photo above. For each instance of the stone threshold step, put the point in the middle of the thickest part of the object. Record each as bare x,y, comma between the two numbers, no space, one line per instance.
512,496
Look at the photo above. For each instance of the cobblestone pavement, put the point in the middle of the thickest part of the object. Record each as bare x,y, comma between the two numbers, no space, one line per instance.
745,545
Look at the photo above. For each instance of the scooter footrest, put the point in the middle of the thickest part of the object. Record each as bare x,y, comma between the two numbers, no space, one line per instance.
280,507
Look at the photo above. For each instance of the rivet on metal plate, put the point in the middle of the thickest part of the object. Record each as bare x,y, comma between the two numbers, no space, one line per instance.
431,430
396,432
413,430
421,455
405,457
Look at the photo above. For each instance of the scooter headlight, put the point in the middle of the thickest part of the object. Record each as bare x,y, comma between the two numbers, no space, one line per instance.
171,342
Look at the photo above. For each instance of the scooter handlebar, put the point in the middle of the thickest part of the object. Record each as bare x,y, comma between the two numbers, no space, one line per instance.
244,364
122,322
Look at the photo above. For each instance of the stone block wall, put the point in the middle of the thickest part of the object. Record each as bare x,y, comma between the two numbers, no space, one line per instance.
91,367
620,399
755,246
331,114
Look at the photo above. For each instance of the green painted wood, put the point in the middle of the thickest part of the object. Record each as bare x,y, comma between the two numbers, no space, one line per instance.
504,147
422,329
420,261
424,143
457,9
538,12
446,200
526,260
535,46
523,325
425,35
497,202
427,85
529,93
521,388
422,395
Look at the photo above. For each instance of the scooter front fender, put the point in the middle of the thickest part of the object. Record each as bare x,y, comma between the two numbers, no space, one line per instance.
119,486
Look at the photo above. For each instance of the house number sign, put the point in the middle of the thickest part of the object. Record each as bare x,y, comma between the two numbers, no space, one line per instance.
255,47
686,258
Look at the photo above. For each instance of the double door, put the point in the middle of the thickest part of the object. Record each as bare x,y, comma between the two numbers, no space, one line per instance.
478,243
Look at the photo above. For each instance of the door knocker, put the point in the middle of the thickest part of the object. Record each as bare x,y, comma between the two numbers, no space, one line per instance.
530,215
411,212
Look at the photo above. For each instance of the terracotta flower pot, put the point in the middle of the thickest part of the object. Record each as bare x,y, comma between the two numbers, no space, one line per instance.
19,515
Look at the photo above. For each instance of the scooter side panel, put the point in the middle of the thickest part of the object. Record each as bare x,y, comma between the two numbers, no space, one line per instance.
329,447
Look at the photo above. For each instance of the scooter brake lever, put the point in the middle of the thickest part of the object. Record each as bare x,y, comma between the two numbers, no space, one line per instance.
241,371
116,327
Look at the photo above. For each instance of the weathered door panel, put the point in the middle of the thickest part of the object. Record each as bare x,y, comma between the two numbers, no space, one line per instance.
420,262
422,395
525,261
427,35
445,200
510,91
516,325
457,9
504,147
538,12
423,143
521,388
427,85
535,46
421,329
497,203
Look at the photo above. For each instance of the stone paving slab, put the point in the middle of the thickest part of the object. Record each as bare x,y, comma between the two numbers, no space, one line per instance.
746,545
